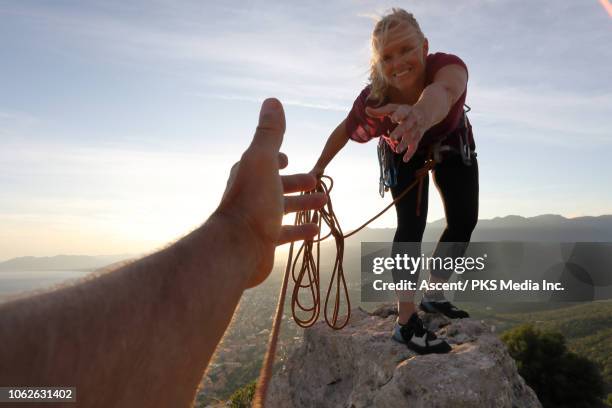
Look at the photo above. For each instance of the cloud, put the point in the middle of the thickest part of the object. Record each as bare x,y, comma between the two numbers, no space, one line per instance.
250,51
16,122
566,115
285,101
257,39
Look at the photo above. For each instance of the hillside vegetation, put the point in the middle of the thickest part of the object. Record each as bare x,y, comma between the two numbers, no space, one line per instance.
587,328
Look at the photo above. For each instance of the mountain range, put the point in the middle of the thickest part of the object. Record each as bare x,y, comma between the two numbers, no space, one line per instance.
548,227
60,263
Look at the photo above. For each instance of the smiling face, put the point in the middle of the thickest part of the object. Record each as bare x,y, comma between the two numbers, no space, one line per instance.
402,52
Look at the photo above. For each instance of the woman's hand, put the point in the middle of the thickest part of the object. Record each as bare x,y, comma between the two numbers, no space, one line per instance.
411,126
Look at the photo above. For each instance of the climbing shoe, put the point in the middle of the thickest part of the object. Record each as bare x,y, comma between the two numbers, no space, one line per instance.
443,306
417,338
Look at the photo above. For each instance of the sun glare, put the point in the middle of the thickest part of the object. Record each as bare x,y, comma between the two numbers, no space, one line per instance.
607,6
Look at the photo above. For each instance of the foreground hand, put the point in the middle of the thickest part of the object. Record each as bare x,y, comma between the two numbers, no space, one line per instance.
254,199
411,126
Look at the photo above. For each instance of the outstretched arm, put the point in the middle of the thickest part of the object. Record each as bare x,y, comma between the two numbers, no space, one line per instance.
142,335
439,97
336,141
138,336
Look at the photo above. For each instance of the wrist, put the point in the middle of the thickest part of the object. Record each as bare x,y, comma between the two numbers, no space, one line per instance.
230,239
318,169
422,116
434,104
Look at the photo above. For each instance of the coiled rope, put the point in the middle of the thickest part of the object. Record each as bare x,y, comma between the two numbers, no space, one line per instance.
309,268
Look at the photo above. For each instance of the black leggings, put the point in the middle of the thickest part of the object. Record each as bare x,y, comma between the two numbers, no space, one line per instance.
458,187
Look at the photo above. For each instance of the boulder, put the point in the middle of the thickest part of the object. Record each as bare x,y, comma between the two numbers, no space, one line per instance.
361,366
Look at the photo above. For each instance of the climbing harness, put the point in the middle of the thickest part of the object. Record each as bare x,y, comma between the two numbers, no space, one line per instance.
463,133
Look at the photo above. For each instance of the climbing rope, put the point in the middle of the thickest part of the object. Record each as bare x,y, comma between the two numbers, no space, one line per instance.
308,272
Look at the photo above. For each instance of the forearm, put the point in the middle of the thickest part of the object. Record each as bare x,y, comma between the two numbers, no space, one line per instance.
336,141
434,104
138,336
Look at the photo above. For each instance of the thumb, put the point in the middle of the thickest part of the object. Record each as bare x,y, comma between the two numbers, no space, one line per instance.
382,111
271,127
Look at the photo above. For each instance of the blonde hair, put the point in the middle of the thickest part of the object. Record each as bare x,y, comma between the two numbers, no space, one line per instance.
383,27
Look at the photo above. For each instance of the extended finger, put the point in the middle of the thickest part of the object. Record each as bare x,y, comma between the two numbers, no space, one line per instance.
398,135
410,151
409,135
304,202
382,111
271,127
401,114
407,141
403,128
291,233
283,160
298,182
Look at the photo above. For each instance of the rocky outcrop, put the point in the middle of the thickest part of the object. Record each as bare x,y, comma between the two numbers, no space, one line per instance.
360,366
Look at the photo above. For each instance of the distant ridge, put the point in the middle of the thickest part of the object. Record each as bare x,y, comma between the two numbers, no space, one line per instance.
546,227
60,262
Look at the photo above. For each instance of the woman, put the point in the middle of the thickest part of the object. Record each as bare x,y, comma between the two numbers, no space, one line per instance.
415,102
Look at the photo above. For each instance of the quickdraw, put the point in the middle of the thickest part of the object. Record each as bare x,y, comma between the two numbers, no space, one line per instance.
388,166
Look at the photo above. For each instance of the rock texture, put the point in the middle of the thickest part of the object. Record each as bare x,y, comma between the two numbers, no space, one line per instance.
360,366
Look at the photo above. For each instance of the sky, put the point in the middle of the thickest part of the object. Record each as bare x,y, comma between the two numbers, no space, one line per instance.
119,121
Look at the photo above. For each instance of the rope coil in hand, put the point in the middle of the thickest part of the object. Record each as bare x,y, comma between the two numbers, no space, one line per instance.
308,276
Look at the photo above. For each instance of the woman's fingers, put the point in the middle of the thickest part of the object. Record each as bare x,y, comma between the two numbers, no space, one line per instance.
408,133
291,233
407,140
398,133
401,114
304,202
404,134
410,151
382,111
403,128
298,182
